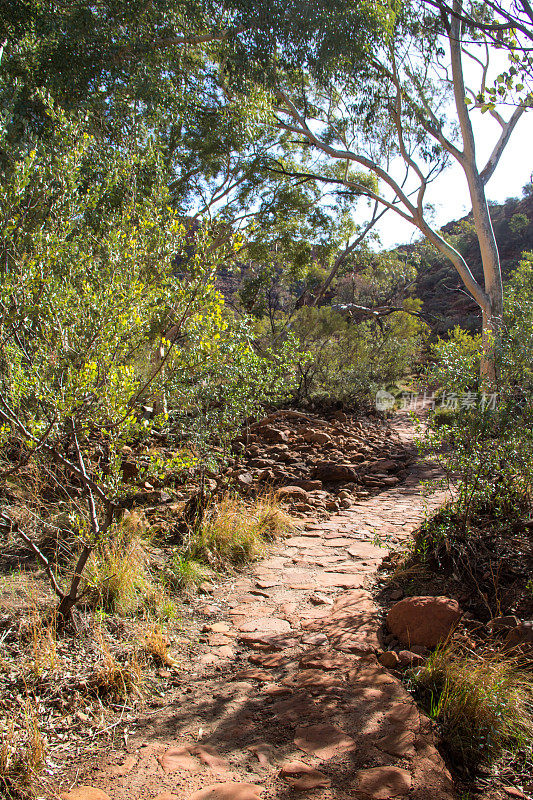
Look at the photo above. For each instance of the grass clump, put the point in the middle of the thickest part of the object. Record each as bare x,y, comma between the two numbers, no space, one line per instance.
118,576
43,639
156,645
183,574
235,533
22,755
113,679
483,704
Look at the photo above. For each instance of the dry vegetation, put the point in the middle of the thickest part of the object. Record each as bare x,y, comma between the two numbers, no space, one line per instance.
482,701
56,693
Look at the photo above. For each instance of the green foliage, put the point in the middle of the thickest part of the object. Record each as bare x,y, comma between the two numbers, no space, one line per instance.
344,350
456,364
108,301
491,458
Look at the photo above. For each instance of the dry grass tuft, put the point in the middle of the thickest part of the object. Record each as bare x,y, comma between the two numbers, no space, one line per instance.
118,573
156,645
272,520
43,639
235,533
482,703
22,754
113,679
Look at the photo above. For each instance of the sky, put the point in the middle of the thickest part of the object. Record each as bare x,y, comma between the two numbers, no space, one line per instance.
449,193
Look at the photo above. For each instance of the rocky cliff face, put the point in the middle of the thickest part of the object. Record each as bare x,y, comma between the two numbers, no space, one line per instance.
439,286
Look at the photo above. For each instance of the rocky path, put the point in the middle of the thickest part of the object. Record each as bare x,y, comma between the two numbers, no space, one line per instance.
288,697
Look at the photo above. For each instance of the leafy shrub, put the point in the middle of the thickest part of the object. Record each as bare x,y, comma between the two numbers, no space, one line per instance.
486,445
96,319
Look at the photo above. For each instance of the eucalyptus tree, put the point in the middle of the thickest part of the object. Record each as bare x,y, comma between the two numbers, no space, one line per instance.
393,105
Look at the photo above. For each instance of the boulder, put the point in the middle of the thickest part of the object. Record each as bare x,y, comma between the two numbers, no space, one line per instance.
425,621
521,635
384,464
309,486
272,434
389,659
316,437
408,659
244,480
333,472
292,493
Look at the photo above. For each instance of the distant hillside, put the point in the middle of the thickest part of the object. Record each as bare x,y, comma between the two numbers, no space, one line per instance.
438,284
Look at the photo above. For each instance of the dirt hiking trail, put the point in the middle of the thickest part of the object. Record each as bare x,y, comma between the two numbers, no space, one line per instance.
287,698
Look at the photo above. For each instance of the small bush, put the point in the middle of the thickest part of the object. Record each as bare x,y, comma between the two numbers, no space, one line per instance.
272,520
184,574
156,645
443,416
483,704
44,646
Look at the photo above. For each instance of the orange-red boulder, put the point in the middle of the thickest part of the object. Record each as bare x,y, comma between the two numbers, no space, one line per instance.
426,621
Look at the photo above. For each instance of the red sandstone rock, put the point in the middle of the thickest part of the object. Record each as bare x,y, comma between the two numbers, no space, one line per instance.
302,776
228,791
382,783
426,621
85,793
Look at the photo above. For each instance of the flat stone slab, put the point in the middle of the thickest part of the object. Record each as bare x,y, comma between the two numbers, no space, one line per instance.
324,740
301,776
382,783
265,624
342,580
229,791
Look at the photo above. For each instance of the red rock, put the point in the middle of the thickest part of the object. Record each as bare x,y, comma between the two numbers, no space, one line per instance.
276,690
317,437
309,486
323,740
178,758
228,791
342,580
324,661
523,634
333,472
253,675
209,756
272,434
301,776
268,660
262,751
85,793
389,659
265,624
292,493
382,783
409,659
426,621
399,743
